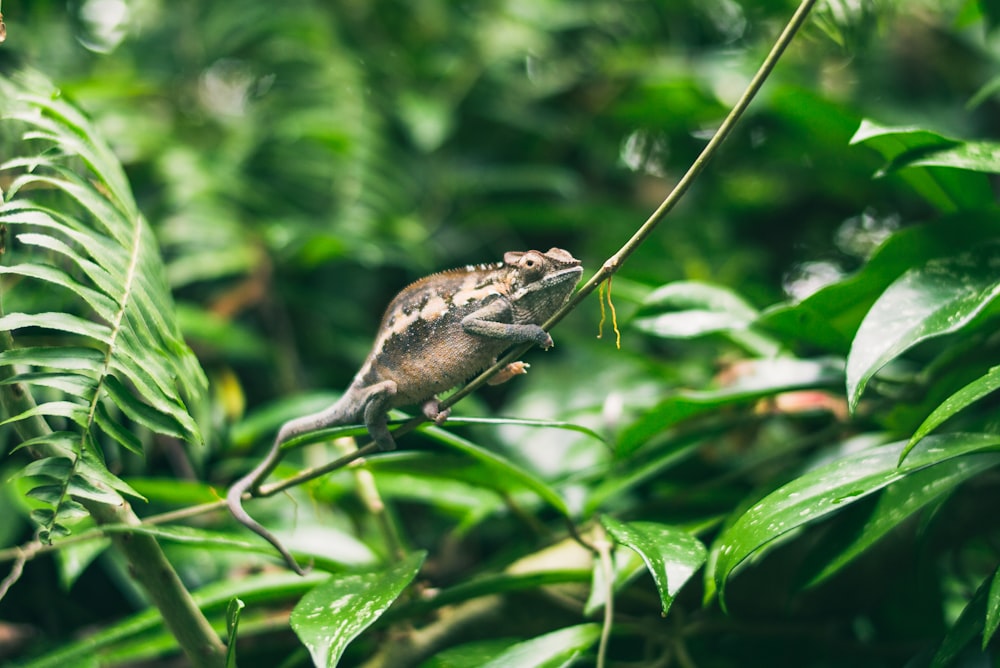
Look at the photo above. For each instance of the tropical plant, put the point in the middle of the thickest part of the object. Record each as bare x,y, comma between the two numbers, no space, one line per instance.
803,483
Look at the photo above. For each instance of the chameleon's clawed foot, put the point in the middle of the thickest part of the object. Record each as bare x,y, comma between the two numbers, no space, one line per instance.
508,372
432,411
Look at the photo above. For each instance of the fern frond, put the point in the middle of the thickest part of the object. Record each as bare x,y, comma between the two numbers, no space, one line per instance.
113,347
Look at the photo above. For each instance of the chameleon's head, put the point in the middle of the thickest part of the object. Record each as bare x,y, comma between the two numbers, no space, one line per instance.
539,283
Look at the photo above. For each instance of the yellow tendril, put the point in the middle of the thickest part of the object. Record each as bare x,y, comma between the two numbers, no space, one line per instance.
614,315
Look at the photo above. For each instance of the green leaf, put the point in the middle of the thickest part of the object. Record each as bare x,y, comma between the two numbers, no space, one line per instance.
939,297
992,609
232,627
63,322
334,613
691,308
830,487
558,648
965,629
976,156
277,587
972,392
903,147
830,317
86,219
758,378
504,469
899,501
671,555
83,487
63,357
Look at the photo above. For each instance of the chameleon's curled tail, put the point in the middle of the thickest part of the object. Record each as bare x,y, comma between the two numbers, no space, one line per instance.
234,500
249,483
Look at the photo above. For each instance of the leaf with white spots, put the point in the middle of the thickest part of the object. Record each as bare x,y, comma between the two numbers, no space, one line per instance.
939,297
337,611
672,555
829,488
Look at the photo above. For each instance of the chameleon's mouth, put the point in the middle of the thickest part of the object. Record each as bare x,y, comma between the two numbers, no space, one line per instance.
565,274
569,275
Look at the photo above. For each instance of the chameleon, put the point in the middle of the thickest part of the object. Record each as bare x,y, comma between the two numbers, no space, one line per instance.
435,334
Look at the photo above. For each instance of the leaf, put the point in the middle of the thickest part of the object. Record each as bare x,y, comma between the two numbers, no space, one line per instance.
504,469
903,147
113,269
939,297
758,378
964,630
977,156
992,609
65,357
689,309
557,648
899,501
330,616
692,308
115,339
63,322
671,555
830,317
233,611
828,488
276,587
972,392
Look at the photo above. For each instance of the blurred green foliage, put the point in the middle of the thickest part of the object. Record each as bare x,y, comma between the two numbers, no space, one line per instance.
301,161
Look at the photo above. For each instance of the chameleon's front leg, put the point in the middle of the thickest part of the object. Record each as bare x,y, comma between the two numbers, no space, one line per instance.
494,321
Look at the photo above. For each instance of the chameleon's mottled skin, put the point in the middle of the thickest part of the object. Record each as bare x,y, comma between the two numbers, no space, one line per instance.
436,333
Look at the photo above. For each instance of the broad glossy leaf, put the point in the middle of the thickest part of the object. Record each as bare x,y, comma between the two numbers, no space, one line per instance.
972,392
939,297
825,489
558,648
690,308
334,613
903,498
757,379
830,317
947,189
976,156
671,555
